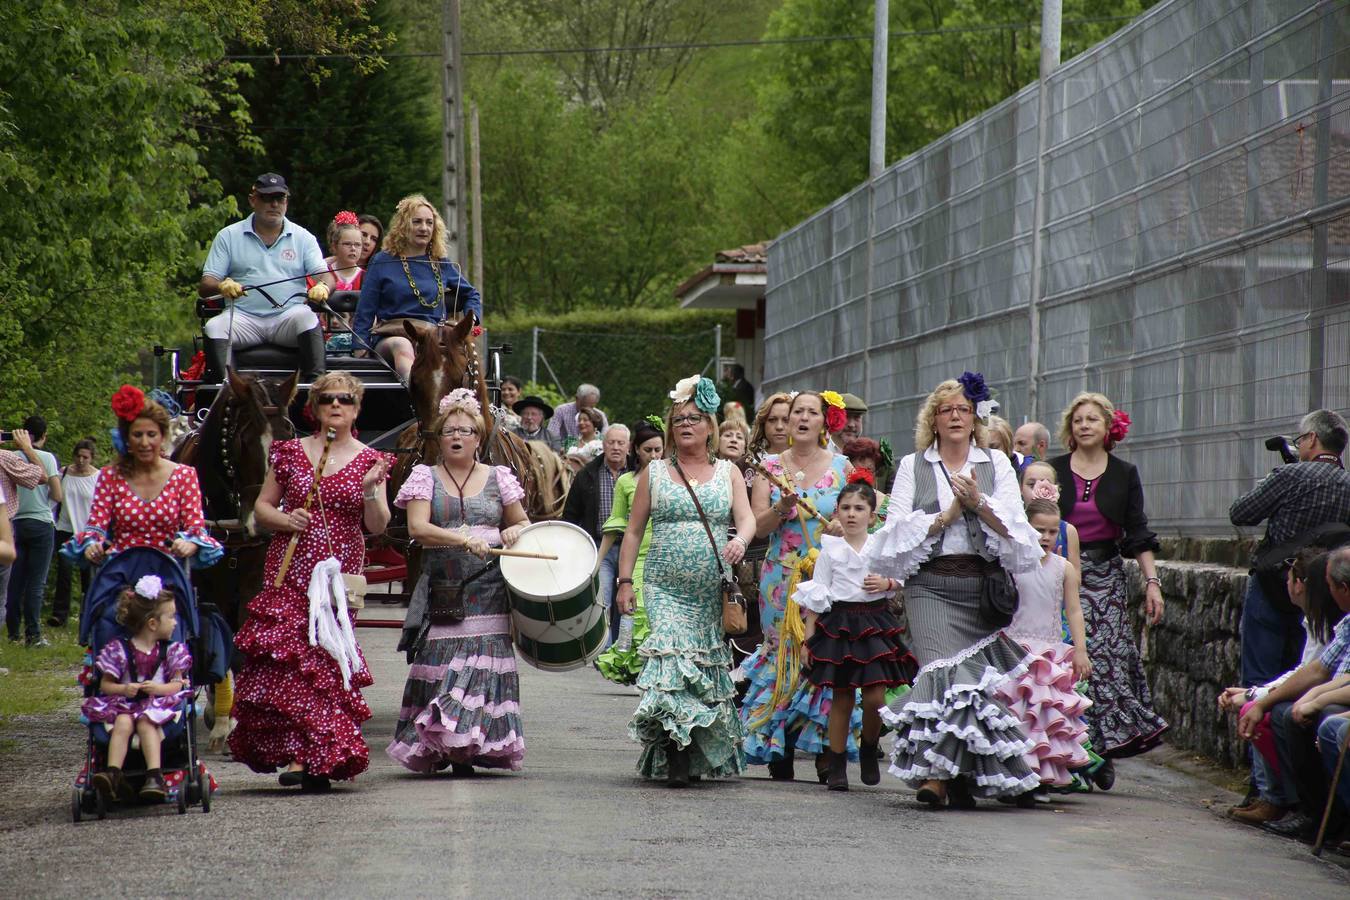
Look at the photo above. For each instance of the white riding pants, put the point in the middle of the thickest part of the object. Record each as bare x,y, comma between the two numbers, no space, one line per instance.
282,329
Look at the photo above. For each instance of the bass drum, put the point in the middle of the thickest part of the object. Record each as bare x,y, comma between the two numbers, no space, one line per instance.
558,621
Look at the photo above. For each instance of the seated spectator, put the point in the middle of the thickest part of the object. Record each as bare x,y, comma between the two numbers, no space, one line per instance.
564,422
1297,707
34,539
77,484
1032,440
1293,500
372,233
534,413
345,246
1276,795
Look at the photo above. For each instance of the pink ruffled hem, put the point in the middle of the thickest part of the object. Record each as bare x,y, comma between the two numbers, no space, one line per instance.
1050,710
439,745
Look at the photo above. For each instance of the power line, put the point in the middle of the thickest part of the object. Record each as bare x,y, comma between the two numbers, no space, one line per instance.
686,45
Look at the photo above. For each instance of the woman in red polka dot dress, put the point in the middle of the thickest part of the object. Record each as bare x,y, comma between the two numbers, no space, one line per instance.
144,500
296,710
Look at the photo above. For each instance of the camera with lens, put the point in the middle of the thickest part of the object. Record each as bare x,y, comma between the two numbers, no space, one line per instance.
1281,445
6,436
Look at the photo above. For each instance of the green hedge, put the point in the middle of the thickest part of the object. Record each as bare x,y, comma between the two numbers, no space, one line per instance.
635,356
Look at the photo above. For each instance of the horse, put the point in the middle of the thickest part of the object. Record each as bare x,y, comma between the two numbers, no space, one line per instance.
230,453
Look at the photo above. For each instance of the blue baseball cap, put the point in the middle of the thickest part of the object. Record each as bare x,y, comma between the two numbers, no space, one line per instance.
270,183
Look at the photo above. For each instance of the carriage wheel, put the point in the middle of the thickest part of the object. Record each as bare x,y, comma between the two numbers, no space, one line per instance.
77,805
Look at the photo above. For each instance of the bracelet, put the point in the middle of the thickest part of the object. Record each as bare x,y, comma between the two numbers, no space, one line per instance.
625,581
1153,579
737,537
371,496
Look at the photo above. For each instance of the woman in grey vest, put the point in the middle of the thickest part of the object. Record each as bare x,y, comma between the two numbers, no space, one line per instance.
955,516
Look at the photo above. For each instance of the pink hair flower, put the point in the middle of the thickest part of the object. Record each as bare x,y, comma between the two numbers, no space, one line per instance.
1120,426
1045,489
346,217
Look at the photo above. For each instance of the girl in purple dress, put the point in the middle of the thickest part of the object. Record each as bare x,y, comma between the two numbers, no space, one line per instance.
143,681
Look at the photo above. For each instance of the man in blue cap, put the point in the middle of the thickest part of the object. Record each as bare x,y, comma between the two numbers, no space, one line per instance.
266,247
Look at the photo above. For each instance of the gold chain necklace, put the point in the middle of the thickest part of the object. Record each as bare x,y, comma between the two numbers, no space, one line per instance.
412,283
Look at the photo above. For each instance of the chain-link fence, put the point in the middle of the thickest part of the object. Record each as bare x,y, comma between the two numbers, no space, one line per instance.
1194,258
634,370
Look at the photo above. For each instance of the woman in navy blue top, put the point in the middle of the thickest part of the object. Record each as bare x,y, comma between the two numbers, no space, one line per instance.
410,278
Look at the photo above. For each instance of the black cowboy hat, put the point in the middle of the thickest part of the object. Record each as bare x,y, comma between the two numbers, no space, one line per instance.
536,402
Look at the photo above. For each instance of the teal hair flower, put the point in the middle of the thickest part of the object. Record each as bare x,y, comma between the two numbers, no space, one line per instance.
706,397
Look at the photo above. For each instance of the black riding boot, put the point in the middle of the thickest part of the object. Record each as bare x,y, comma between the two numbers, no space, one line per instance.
216,350
312,360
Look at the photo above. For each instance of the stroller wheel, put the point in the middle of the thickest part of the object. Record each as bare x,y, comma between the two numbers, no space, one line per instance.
182,797
77,805
100,806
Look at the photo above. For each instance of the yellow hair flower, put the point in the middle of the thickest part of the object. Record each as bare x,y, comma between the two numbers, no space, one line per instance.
832,398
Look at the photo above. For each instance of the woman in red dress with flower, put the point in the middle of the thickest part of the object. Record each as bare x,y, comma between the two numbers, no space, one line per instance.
296,708
144,500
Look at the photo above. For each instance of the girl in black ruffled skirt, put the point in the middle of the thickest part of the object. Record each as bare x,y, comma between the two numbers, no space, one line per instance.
852,638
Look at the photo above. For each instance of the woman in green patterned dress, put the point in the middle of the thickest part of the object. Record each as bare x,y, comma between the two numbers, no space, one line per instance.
686,721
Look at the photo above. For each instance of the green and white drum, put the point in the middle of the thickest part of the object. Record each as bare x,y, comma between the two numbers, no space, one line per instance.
555,603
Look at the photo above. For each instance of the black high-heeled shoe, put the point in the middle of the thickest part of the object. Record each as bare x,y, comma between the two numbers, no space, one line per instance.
781,769
291,778
315,784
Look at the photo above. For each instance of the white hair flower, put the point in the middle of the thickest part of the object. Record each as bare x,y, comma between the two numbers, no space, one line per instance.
149,586
684,389
462,397
986,408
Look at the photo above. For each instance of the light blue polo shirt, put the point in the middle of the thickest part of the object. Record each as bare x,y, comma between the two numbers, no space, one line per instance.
237,252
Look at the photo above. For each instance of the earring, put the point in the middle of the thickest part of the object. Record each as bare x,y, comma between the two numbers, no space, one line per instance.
824,439
789,440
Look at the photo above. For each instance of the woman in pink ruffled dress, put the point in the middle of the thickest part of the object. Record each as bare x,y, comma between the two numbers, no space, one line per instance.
1044,696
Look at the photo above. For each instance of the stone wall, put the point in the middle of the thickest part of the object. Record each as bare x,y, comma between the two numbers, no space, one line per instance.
1193,654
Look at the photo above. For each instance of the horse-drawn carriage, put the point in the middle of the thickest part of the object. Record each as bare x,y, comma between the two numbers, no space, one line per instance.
263,399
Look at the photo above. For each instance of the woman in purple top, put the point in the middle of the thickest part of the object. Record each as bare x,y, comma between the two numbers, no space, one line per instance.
1103,498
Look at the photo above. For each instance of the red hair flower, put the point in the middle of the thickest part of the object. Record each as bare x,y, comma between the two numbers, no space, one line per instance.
128,402
346,217
1120,426
477,330
835,418
863,475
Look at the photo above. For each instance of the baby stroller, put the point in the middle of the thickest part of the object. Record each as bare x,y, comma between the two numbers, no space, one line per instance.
187,781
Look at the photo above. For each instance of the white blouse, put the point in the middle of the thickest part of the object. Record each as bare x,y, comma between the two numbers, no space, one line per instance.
903,543
838,578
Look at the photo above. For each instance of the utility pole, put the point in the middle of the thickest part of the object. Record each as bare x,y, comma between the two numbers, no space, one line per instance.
1051,19
876,164
452,141
476,193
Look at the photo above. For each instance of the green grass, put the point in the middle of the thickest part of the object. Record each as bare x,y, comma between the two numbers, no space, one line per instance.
39,679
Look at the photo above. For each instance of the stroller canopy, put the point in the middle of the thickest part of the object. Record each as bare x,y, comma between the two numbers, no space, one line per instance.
98,617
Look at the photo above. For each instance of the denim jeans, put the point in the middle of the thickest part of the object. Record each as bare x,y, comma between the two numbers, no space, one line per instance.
609,571
33,539
1331,735
1277,790
1299,757
1272,640
65,570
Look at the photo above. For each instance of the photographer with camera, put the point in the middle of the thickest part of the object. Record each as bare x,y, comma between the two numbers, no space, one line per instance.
1301,502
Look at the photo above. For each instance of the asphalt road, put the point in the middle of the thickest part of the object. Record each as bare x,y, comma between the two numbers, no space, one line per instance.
578,822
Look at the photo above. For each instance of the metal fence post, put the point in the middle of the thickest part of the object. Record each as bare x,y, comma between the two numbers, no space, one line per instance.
1051,15
534,355
717,352
876,164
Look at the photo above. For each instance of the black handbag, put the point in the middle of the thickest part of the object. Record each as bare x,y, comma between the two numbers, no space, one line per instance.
998,589
445,597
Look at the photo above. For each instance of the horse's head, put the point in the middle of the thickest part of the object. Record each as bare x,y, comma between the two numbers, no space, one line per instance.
247,415
443,360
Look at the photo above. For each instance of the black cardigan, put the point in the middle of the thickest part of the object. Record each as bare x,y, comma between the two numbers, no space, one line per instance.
1120,498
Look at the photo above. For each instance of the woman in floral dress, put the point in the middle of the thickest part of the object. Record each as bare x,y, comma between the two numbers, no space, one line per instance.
783,711
294,708
686,720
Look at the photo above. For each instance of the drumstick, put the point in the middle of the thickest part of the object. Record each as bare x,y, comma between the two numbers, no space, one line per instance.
523,554
328,439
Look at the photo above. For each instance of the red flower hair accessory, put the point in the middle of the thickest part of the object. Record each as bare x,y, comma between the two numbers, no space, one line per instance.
128,402
346,217
477,330
1120,426
864,475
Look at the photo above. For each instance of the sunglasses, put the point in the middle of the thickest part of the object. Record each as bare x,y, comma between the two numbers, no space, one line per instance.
344,399
273,198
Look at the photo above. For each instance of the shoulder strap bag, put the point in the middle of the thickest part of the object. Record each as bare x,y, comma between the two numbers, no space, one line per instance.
998,590
733,601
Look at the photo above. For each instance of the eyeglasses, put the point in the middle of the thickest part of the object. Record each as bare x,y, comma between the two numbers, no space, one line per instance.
273,198
458,431
344,399
686,420
960,409
352,245
1298,440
